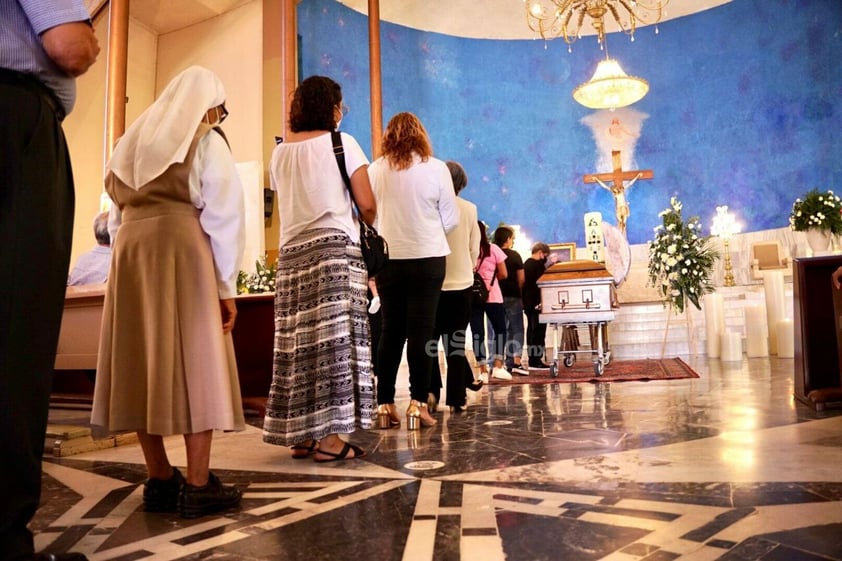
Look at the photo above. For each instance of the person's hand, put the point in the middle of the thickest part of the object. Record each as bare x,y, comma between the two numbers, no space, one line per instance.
837,276
229,314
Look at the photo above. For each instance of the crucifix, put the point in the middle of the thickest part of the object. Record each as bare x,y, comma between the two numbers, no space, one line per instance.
618,189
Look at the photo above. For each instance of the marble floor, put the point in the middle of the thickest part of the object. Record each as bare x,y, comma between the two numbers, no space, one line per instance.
728,466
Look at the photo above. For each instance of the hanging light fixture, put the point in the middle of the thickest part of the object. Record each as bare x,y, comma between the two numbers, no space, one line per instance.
610,87
564,18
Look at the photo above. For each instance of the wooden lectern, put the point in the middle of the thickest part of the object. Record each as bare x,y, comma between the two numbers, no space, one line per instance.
818,381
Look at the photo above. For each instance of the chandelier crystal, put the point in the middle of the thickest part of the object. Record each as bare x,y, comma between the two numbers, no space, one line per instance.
552,19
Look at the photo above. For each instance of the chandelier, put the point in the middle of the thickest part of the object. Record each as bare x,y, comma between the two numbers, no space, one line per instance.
610,87
564,18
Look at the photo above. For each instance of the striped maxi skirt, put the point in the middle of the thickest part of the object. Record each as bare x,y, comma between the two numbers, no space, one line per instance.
322,382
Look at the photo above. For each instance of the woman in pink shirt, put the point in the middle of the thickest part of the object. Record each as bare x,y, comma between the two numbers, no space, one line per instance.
491,266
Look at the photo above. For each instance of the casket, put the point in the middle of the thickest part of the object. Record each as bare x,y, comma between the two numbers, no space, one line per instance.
577,292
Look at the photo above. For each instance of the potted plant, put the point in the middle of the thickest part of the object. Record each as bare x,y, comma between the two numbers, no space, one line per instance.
819,215
681,259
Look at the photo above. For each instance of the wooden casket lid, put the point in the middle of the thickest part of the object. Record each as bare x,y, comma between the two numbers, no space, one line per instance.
572,270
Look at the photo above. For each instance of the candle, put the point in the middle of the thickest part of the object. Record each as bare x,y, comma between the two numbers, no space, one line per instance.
786,338
773,285
714,323
757,342
731,346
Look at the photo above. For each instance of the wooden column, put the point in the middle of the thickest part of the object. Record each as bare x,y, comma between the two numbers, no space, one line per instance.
115,74
375,77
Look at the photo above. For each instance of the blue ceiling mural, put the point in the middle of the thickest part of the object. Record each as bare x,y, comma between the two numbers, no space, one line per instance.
743,110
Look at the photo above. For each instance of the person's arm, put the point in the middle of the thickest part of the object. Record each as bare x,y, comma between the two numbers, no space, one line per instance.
521,278
72,46
448,208
837,275
364,197
502,271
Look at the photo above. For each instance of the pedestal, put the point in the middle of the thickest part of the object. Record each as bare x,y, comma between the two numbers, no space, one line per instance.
786,338
757,339
714,323
731,346
773,286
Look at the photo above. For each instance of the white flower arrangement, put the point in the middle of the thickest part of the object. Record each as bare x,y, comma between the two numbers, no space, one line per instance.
261,281
681,259
822,211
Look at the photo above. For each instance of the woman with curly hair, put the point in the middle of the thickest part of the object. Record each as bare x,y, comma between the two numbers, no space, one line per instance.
321,381
417,203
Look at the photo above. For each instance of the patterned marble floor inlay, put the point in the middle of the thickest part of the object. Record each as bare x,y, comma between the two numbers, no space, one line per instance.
727,466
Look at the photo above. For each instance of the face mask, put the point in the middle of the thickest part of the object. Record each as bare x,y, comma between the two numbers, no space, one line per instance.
339,122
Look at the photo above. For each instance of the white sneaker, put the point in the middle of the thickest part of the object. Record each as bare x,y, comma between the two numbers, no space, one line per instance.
483,377
374,306
500,374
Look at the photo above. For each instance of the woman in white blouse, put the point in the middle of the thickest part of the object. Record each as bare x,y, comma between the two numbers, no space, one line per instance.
322,384
417,207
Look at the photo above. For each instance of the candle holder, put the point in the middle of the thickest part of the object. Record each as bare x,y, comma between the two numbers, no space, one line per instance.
724,226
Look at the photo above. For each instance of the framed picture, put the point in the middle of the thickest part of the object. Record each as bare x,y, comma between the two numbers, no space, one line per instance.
562,252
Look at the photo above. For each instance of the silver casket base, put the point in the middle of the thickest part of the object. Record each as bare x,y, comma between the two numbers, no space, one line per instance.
578,292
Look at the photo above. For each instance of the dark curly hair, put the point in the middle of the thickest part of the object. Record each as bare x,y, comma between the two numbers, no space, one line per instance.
404,137
313,105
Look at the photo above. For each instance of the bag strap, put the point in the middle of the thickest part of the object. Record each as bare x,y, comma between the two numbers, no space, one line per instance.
339,153
493,275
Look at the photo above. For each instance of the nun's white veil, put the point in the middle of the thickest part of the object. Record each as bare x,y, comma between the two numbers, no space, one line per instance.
162,134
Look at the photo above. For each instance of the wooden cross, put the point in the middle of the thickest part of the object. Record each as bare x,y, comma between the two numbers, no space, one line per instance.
618,188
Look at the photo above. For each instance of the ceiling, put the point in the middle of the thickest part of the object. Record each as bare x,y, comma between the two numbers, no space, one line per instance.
485,19
490,19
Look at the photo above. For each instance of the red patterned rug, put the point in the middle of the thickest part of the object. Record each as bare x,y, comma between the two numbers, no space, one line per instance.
621,371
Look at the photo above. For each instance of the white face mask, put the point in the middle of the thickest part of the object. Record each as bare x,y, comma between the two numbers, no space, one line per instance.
339,122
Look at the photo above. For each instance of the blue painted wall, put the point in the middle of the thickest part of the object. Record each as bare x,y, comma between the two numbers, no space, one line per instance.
743,110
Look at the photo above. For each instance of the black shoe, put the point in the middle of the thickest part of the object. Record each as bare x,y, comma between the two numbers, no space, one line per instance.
194,502
60,557
161,495
475,386
539,364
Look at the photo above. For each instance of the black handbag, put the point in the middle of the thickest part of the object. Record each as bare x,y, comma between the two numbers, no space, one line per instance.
374,248
479,292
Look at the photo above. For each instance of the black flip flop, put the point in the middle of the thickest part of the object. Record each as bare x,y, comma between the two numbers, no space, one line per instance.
311,449
358,453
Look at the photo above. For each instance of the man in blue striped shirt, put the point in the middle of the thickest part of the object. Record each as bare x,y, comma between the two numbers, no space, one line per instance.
44,46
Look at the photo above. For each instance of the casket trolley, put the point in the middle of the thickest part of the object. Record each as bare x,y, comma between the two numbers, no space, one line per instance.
578,293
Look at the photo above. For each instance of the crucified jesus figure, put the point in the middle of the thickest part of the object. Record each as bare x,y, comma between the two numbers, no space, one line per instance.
618,187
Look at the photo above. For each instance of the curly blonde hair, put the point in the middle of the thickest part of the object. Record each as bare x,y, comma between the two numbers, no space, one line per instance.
404,137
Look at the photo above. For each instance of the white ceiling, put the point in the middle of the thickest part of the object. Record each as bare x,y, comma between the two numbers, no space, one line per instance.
490,19
484,19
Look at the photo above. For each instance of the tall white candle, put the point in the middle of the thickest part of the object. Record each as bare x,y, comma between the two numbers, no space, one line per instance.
757,342
714,323
731,346
773,285
786,338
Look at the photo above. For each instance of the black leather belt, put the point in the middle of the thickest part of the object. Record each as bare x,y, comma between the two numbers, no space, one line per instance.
14,78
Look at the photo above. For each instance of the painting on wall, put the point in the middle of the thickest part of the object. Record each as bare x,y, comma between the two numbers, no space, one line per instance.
562,252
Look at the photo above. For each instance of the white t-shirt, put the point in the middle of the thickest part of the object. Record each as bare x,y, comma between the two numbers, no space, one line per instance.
416,207
311,193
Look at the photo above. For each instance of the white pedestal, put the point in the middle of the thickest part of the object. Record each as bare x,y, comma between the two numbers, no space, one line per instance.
731,346
773,284
757,335
786,338
714,322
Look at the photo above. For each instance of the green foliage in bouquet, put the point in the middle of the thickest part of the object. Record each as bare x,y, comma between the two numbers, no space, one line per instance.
822,211
263,280
681,259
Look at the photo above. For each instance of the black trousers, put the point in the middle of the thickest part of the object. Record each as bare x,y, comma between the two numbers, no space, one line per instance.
452,316
409,295
536,335
36,230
